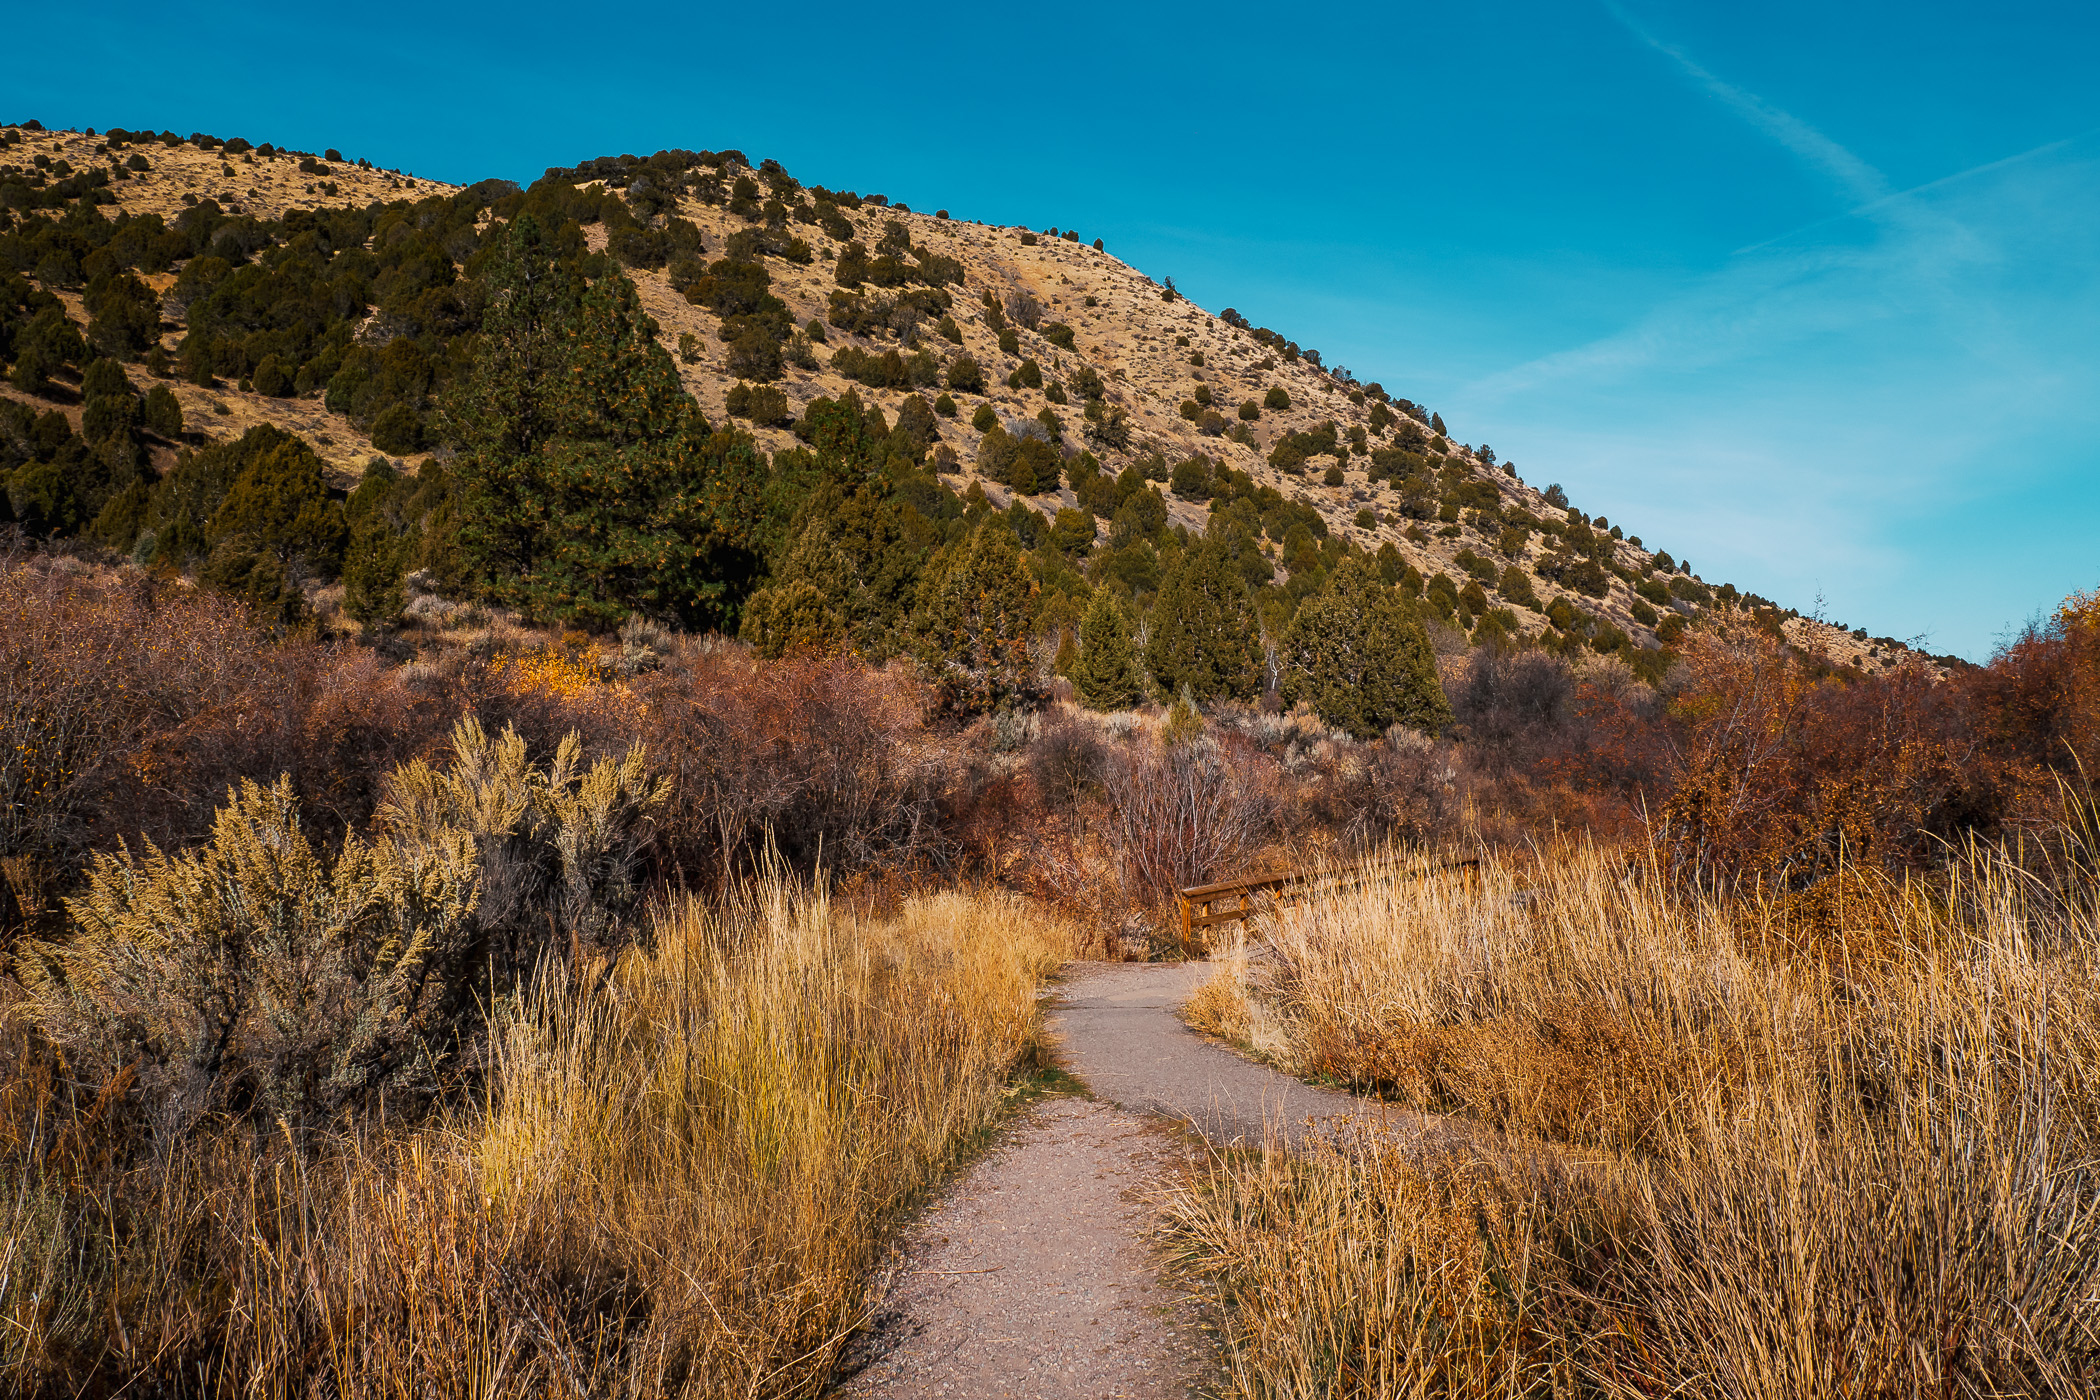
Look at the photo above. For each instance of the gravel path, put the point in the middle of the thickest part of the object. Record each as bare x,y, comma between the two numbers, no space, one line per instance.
1118,1028
1033,1277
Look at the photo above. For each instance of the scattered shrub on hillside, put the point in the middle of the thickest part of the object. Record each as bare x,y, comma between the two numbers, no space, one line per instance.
763,404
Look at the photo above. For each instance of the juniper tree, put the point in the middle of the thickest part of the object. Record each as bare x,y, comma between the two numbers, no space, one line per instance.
654,512
975,620
373,570
1106,673
590,485
1356,653
790,617
1205,635
278,506
503,414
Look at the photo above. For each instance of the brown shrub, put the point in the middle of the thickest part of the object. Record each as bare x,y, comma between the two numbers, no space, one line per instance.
1784,774
1398,791
825,758
1067,760
1186,813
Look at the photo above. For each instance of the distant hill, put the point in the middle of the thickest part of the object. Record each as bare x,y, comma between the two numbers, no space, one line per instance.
893,304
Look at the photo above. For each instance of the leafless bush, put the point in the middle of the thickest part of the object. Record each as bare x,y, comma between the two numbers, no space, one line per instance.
1513,706
1399,790
1185,813
823,758
1023,309
1067,761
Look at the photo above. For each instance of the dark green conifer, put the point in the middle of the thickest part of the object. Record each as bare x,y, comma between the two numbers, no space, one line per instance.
373,571
163,415
1356,653
1106,673
591,486
975,620
278,506
503,415
1205,635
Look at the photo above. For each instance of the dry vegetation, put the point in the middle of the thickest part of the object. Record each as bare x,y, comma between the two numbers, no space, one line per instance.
677,1183
455,1005
1782,1086
1742,1147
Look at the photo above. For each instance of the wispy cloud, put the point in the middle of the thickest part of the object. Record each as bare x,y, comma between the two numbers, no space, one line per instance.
1854,176
1898,404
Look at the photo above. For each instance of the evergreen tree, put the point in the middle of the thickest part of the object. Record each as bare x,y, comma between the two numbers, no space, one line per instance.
792,616
975,621
163,413
1184,721
1356,653
373,571
1205,636
502,416
278,505
1106,673
592,488
852,550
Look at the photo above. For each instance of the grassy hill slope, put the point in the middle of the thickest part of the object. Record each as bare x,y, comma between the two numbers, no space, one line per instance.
1040,311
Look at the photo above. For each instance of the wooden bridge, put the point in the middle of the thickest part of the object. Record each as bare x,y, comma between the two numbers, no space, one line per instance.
1206,906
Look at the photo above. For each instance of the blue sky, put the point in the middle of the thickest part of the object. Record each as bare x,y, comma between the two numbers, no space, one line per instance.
1808,294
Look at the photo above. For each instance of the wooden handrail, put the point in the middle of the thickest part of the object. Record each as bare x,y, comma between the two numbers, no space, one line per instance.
1292,884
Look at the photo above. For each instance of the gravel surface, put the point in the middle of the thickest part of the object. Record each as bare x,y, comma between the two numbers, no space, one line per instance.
1032,1277
1119,1028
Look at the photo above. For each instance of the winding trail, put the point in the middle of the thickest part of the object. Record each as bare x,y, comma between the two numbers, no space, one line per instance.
1119,1029
1034,1277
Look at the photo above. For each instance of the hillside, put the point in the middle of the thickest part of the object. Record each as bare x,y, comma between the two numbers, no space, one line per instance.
1217,412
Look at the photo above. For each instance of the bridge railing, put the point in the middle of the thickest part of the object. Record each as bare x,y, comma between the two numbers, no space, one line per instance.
1226,901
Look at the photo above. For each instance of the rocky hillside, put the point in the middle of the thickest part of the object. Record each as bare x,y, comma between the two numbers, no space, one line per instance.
1070,341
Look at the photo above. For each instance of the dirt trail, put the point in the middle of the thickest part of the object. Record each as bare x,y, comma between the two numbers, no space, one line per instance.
1033,1276
1118,1028
1031,1279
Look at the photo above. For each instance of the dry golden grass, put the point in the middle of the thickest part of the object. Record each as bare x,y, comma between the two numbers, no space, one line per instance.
1869,1169
682,1175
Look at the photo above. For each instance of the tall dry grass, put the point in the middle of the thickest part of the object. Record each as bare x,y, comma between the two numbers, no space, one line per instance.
1841,1143
679,1179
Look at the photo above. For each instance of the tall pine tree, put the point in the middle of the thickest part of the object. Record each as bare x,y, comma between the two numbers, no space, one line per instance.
1205,636
591,485
1106,673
